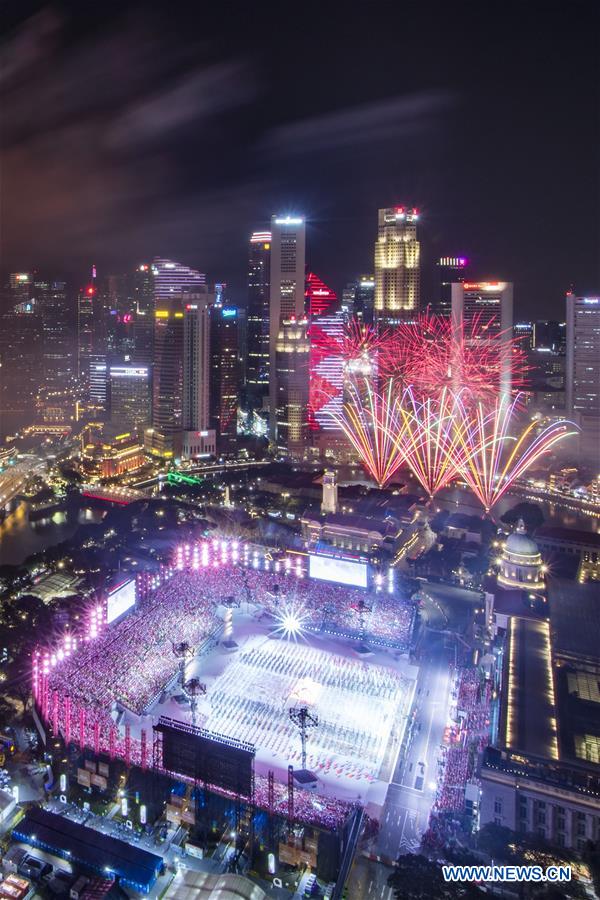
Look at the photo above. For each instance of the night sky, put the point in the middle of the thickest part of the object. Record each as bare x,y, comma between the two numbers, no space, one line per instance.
133,130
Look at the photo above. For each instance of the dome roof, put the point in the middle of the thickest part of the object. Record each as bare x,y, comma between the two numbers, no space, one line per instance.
519,542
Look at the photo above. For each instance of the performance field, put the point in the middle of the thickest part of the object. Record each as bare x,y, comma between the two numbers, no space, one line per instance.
360,706
245,647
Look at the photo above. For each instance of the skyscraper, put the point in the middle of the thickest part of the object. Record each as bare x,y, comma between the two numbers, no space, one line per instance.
129,397
326,368
259,279
286,303
292,357
85,332
319,298
583,372
198,437
326,327
451,270
163,439
20,360
397,266
224,375
364,299
173,285
488,306
57,334
171,279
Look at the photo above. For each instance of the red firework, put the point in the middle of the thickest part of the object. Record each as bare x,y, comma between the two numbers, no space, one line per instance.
434,354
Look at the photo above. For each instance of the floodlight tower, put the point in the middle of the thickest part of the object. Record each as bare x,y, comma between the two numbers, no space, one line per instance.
304,720
362,609
183,652
193,690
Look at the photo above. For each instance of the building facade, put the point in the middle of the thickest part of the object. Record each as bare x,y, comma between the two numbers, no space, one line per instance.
129,397
224,376
450,270
286,304
292,358
259,285
397,266
196,370
163,439
582,381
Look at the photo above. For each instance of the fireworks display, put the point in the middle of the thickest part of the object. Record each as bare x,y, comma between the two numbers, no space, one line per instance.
435,399
496,452
431,440
374,424
434,353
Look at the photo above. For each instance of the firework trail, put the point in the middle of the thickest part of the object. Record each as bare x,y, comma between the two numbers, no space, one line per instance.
495,453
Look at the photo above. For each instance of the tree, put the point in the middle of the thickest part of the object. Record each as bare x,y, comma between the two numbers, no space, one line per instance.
417,878
531,513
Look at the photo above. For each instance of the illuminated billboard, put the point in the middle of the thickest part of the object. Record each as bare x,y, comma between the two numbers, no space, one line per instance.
120,600
342,571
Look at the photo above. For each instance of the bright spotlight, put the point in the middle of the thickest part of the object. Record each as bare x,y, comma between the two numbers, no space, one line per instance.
291,622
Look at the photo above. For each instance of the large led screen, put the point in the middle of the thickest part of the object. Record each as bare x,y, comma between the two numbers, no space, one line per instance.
120,600
342,571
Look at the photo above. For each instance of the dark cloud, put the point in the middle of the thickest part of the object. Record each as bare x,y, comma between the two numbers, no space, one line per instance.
137,129
393,119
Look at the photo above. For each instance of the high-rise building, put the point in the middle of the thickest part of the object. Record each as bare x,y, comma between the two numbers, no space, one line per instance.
257,356
486,306
163,439
57,334
550,335
326,374
582,381
85,332
523,333
319,298
224,375
451,270
171,279
364,299
198,437
286,296
142,288
20,359
397,266
292,357
326,371
20,287
129,397
98,385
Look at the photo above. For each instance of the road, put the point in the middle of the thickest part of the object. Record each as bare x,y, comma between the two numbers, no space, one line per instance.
412,789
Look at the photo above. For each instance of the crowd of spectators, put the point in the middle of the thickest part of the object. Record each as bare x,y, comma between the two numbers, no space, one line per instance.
471,697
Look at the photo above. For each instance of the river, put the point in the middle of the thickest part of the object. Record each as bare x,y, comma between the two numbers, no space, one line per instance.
19,538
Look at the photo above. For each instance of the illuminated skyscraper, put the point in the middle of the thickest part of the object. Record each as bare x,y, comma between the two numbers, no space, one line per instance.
129,397
451,270
583,372
57,334
292,358
319,298
172,278
85,332
326,375
288,248
224,375
397,266
163,439
259,277
198,438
